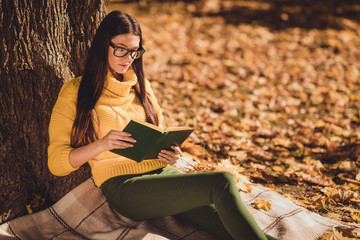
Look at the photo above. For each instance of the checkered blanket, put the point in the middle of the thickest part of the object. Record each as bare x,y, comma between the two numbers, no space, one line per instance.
84,214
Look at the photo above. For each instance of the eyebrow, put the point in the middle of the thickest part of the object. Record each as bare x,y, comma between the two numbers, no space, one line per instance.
134,48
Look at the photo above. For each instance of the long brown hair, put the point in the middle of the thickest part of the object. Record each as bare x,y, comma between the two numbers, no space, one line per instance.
94,77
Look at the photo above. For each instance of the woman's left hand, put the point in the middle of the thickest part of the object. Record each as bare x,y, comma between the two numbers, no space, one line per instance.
170,157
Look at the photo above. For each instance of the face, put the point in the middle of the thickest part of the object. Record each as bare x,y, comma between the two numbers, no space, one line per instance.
119,65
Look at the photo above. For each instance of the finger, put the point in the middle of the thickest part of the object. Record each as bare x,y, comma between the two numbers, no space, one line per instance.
176,149
122,136
125,142
175,154
119,132
169,155
164,158
121,144
128,139
125,134
167,151
164,155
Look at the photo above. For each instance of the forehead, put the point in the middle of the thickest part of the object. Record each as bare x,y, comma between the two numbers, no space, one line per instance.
129,40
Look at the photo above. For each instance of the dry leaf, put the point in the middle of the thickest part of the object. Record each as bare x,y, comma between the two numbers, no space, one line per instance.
356,217
28,209
241,181
261,204
335,235
283,105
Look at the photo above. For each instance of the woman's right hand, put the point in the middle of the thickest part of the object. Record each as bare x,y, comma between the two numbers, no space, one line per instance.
116,139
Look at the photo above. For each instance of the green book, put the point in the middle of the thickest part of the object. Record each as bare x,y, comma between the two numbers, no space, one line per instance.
150,140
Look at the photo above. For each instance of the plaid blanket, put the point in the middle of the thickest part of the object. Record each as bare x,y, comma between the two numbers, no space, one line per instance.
84,214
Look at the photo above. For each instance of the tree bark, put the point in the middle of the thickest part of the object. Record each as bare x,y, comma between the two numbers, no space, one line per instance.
43,44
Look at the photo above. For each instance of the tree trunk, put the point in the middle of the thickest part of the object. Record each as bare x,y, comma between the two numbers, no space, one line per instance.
43,44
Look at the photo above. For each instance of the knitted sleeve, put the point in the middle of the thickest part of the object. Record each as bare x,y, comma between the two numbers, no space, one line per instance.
154,101
62,118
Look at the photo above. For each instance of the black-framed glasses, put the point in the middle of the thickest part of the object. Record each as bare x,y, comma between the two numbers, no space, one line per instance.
122,52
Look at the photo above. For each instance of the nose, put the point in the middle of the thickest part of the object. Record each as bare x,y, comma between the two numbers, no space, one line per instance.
128,57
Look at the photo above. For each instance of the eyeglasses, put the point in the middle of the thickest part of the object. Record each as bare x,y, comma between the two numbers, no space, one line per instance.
122,52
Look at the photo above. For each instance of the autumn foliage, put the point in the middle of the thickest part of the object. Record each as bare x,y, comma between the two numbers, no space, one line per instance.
271,87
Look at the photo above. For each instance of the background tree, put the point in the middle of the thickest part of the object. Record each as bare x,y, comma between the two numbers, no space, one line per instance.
42,45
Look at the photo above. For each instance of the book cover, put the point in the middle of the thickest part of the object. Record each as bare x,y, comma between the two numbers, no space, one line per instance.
150,140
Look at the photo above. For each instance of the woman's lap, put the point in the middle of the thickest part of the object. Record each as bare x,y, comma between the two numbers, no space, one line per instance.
189,197
160,193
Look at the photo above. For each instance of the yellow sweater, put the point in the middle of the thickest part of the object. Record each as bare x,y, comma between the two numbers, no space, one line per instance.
117,105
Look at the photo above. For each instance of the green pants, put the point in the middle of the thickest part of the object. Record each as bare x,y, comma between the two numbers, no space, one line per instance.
208,201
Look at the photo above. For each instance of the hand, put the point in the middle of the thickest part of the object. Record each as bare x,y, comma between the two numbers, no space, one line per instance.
170,157
116,139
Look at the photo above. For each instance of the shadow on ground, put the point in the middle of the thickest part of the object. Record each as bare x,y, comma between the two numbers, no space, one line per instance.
281,14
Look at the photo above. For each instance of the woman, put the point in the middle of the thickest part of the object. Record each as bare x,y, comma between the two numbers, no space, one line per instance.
87,121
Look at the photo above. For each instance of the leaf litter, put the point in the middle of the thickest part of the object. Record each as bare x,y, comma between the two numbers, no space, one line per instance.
274,103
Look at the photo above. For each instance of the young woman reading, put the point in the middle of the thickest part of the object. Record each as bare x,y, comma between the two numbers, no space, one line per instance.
87,121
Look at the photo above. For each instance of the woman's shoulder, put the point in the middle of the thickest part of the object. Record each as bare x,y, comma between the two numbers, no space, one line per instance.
68,93
148,85
69,90
66,101
70,87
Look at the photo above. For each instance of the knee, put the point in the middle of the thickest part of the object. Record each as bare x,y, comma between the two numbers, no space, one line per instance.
224,177
223,182
227,176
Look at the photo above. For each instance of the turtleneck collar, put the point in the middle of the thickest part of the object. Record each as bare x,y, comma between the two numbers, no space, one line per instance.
122,89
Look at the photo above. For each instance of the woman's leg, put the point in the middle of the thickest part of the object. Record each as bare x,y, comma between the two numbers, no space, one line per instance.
169,192
205,218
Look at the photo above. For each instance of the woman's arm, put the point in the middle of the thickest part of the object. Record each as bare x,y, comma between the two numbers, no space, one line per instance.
62,158
114,139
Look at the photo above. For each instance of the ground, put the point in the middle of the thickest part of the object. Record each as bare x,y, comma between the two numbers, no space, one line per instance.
271,88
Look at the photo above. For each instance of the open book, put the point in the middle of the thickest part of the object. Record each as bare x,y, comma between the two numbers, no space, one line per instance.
150,140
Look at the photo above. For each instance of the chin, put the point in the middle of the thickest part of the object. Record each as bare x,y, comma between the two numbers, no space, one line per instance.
121,71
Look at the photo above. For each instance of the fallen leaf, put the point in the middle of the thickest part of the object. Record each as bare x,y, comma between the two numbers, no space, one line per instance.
261,204
334,235
281,106
28,209
356,217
